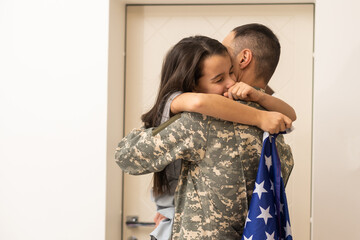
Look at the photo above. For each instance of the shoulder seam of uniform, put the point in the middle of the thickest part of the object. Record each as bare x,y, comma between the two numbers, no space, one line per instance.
165,124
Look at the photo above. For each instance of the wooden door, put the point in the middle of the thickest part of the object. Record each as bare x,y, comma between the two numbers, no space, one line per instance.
152,30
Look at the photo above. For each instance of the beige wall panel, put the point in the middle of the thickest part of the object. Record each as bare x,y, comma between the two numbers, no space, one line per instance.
115,113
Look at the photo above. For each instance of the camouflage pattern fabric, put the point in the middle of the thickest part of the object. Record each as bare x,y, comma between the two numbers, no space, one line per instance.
220,161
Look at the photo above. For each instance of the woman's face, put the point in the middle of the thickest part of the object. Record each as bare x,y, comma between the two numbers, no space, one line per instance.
217,75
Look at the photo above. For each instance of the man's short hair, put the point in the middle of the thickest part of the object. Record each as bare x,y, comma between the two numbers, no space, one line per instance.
263,44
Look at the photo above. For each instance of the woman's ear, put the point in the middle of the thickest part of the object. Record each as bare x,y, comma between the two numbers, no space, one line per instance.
244,58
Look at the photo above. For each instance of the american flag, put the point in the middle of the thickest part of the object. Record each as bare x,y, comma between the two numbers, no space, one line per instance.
268,216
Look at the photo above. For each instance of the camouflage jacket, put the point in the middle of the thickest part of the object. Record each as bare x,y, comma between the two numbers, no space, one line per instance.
220,161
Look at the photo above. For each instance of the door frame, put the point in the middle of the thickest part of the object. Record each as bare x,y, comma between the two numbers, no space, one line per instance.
116,98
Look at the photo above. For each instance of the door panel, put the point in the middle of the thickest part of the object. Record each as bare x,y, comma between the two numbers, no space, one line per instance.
152,30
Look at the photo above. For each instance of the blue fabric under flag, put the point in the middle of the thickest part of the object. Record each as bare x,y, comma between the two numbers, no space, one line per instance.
268,216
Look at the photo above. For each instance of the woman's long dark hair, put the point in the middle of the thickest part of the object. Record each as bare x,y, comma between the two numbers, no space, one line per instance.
181,70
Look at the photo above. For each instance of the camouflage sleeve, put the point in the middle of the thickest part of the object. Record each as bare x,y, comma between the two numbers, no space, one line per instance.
286,157
144,151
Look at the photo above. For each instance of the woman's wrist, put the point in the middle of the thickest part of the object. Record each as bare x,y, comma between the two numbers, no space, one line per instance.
262,97
259,117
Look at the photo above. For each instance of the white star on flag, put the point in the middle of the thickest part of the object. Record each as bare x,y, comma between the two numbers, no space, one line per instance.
247,219
250,238
272,186
268,162
265,214
259,189
287,229
270,237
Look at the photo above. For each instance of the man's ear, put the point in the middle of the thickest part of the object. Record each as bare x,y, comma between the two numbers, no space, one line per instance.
244,58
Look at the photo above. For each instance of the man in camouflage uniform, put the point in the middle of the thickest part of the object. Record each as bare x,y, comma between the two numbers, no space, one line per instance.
219,167
255,53
220,161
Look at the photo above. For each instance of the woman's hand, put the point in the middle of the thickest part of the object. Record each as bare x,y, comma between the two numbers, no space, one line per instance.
273,122
158,218
243,91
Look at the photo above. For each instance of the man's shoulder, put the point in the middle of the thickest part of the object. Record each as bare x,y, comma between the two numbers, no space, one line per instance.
198,118
194,116
183,122
189,118
196,121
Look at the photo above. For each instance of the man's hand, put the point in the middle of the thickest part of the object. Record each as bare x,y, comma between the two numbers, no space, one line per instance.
274,122
158,218
243,91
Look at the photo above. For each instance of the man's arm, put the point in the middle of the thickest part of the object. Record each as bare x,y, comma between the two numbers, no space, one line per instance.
286,157
151,150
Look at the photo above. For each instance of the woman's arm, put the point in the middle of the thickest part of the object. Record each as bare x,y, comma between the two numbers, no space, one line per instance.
224,108
272,103
245,92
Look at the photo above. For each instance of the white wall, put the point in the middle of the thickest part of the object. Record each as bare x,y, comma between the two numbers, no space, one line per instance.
53,103
336,151
53,93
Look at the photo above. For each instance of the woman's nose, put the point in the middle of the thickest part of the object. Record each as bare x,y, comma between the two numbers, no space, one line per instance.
229,82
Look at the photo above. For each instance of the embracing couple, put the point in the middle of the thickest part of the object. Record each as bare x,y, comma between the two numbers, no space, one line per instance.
205,159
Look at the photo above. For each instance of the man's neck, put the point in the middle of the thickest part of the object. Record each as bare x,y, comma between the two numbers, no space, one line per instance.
248,76
252,81
259,83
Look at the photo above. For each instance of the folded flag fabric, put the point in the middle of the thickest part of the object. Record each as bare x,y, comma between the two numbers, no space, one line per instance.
268,216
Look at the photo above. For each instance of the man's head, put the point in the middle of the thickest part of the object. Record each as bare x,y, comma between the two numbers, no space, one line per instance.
255,52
